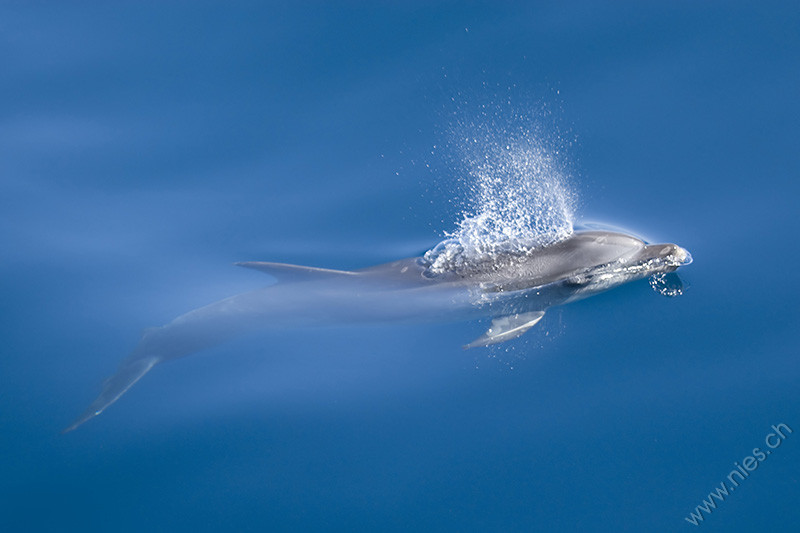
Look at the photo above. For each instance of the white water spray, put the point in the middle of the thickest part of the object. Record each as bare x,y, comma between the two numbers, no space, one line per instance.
520,200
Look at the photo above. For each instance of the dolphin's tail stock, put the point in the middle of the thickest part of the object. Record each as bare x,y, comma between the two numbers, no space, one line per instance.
131,370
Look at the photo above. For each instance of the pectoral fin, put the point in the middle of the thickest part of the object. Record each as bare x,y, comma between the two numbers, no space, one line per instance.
505,328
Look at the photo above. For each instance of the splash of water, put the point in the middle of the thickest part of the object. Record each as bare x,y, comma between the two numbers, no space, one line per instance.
669,285
520,200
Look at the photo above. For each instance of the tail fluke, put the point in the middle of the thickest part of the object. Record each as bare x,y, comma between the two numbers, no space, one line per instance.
129,373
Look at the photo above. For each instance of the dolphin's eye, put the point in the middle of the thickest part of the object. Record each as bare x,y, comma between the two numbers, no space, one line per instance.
578,280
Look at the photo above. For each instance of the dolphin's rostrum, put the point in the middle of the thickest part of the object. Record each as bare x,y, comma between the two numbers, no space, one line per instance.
515,289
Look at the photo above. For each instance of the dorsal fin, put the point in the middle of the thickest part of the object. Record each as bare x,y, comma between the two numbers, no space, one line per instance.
286,272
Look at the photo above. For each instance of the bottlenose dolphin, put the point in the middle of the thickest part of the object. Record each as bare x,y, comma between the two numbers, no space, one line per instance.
515,289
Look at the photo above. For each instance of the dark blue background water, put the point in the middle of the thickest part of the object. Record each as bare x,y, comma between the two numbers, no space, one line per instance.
144,147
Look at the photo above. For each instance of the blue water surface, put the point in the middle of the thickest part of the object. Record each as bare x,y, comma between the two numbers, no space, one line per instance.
147,146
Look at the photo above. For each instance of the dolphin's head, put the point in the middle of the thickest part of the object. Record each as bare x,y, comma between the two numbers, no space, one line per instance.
664,257
585,263
639,260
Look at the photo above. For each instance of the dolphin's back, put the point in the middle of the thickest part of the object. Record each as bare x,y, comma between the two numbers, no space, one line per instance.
571,256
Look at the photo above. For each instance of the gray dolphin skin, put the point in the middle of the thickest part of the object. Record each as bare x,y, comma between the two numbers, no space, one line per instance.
514,289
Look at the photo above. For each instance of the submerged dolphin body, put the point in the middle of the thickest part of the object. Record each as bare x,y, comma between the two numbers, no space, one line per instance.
515,289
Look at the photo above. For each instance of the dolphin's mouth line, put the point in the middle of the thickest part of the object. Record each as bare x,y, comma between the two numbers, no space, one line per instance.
611,270
654,265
